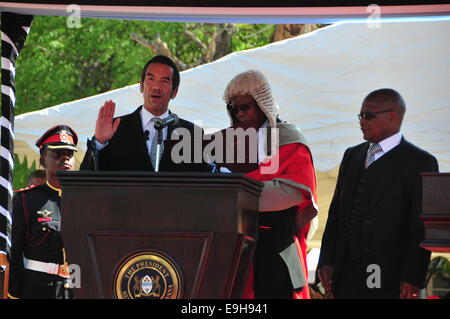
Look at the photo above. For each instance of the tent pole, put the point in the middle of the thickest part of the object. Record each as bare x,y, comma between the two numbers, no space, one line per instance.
14,29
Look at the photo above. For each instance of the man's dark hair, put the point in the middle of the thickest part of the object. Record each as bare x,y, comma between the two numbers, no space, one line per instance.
390,97
167,61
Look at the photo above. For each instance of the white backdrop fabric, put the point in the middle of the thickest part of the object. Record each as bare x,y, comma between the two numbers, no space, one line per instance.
319,81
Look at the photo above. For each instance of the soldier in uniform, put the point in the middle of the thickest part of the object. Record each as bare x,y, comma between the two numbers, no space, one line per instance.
38,262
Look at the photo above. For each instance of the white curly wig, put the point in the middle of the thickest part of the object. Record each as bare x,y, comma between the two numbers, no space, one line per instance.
253,83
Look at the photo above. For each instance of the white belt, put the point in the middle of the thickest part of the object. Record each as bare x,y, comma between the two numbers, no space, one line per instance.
49,268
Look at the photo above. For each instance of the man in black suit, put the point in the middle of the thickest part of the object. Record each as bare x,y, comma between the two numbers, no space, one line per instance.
128,142
370,246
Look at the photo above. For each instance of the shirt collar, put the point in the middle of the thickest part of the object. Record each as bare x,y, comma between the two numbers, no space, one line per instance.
389,143
146,116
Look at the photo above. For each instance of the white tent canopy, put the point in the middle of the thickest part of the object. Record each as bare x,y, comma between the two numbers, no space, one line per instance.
318,79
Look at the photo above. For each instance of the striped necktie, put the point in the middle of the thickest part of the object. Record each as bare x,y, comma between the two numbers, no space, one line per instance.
373,149
154,146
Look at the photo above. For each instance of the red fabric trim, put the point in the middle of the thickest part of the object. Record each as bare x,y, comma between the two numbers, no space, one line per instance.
57,138
26,216
296,164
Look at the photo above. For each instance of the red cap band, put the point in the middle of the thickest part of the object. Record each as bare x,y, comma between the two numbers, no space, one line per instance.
57,138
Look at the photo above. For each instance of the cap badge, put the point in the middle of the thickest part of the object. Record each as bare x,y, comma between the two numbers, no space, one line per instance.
63,136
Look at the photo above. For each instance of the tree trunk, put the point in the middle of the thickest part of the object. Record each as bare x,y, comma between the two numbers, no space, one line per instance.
222,38
286,31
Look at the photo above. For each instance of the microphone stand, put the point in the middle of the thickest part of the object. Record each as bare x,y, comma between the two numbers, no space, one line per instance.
158,148
94,153
159,125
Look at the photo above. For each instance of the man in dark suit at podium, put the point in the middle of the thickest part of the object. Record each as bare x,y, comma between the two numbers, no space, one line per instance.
129,142
371,243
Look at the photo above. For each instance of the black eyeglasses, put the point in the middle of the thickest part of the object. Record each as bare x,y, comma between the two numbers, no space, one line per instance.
234,110
370,115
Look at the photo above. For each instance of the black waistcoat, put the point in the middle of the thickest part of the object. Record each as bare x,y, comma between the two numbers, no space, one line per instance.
357,245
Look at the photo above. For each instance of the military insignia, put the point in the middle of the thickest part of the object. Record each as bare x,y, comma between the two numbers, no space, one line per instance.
45,213
148,275
64,136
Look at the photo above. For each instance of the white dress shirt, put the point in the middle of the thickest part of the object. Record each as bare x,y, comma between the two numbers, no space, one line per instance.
388,144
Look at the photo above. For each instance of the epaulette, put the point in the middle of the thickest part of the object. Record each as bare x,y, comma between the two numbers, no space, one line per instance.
27,188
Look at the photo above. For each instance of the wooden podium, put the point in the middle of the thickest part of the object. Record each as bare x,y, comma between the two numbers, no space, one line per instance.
159,235
436,211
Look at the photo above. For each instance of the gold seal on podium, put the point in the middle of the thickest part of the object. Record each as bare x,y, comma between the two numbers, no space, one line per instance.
148,275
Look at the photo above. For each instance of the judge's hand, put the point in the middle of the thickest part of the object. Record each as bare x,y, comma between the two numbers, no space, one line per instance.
409,291
105,127
325,275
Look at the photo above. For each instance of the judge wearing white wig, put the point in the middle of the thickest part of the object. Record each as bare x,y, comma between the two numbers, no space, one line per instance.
288,201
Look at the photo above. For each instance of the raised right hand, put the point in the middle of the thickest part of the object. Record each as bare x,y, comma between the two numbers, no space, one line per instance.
105,127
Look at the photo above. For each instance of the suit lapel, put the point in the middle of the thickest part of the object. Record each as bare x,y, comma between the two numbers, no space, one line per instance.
353,174
140,138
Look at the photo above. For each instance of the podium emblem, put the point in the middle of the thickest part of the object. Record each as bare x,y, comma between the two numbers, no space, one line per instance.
148,275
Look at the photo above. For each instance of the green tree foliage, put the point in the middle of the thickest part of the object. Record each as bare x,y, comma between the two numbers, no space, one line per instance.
21,172
249,36
60,64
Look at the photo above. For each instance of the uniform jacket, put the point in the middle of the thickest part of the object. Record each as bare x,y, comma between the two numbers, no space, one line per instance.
391,230
35,235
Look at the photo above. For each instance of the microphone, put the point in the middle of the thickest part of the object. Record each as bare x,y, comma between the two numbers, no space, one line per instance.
172,119
146,134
